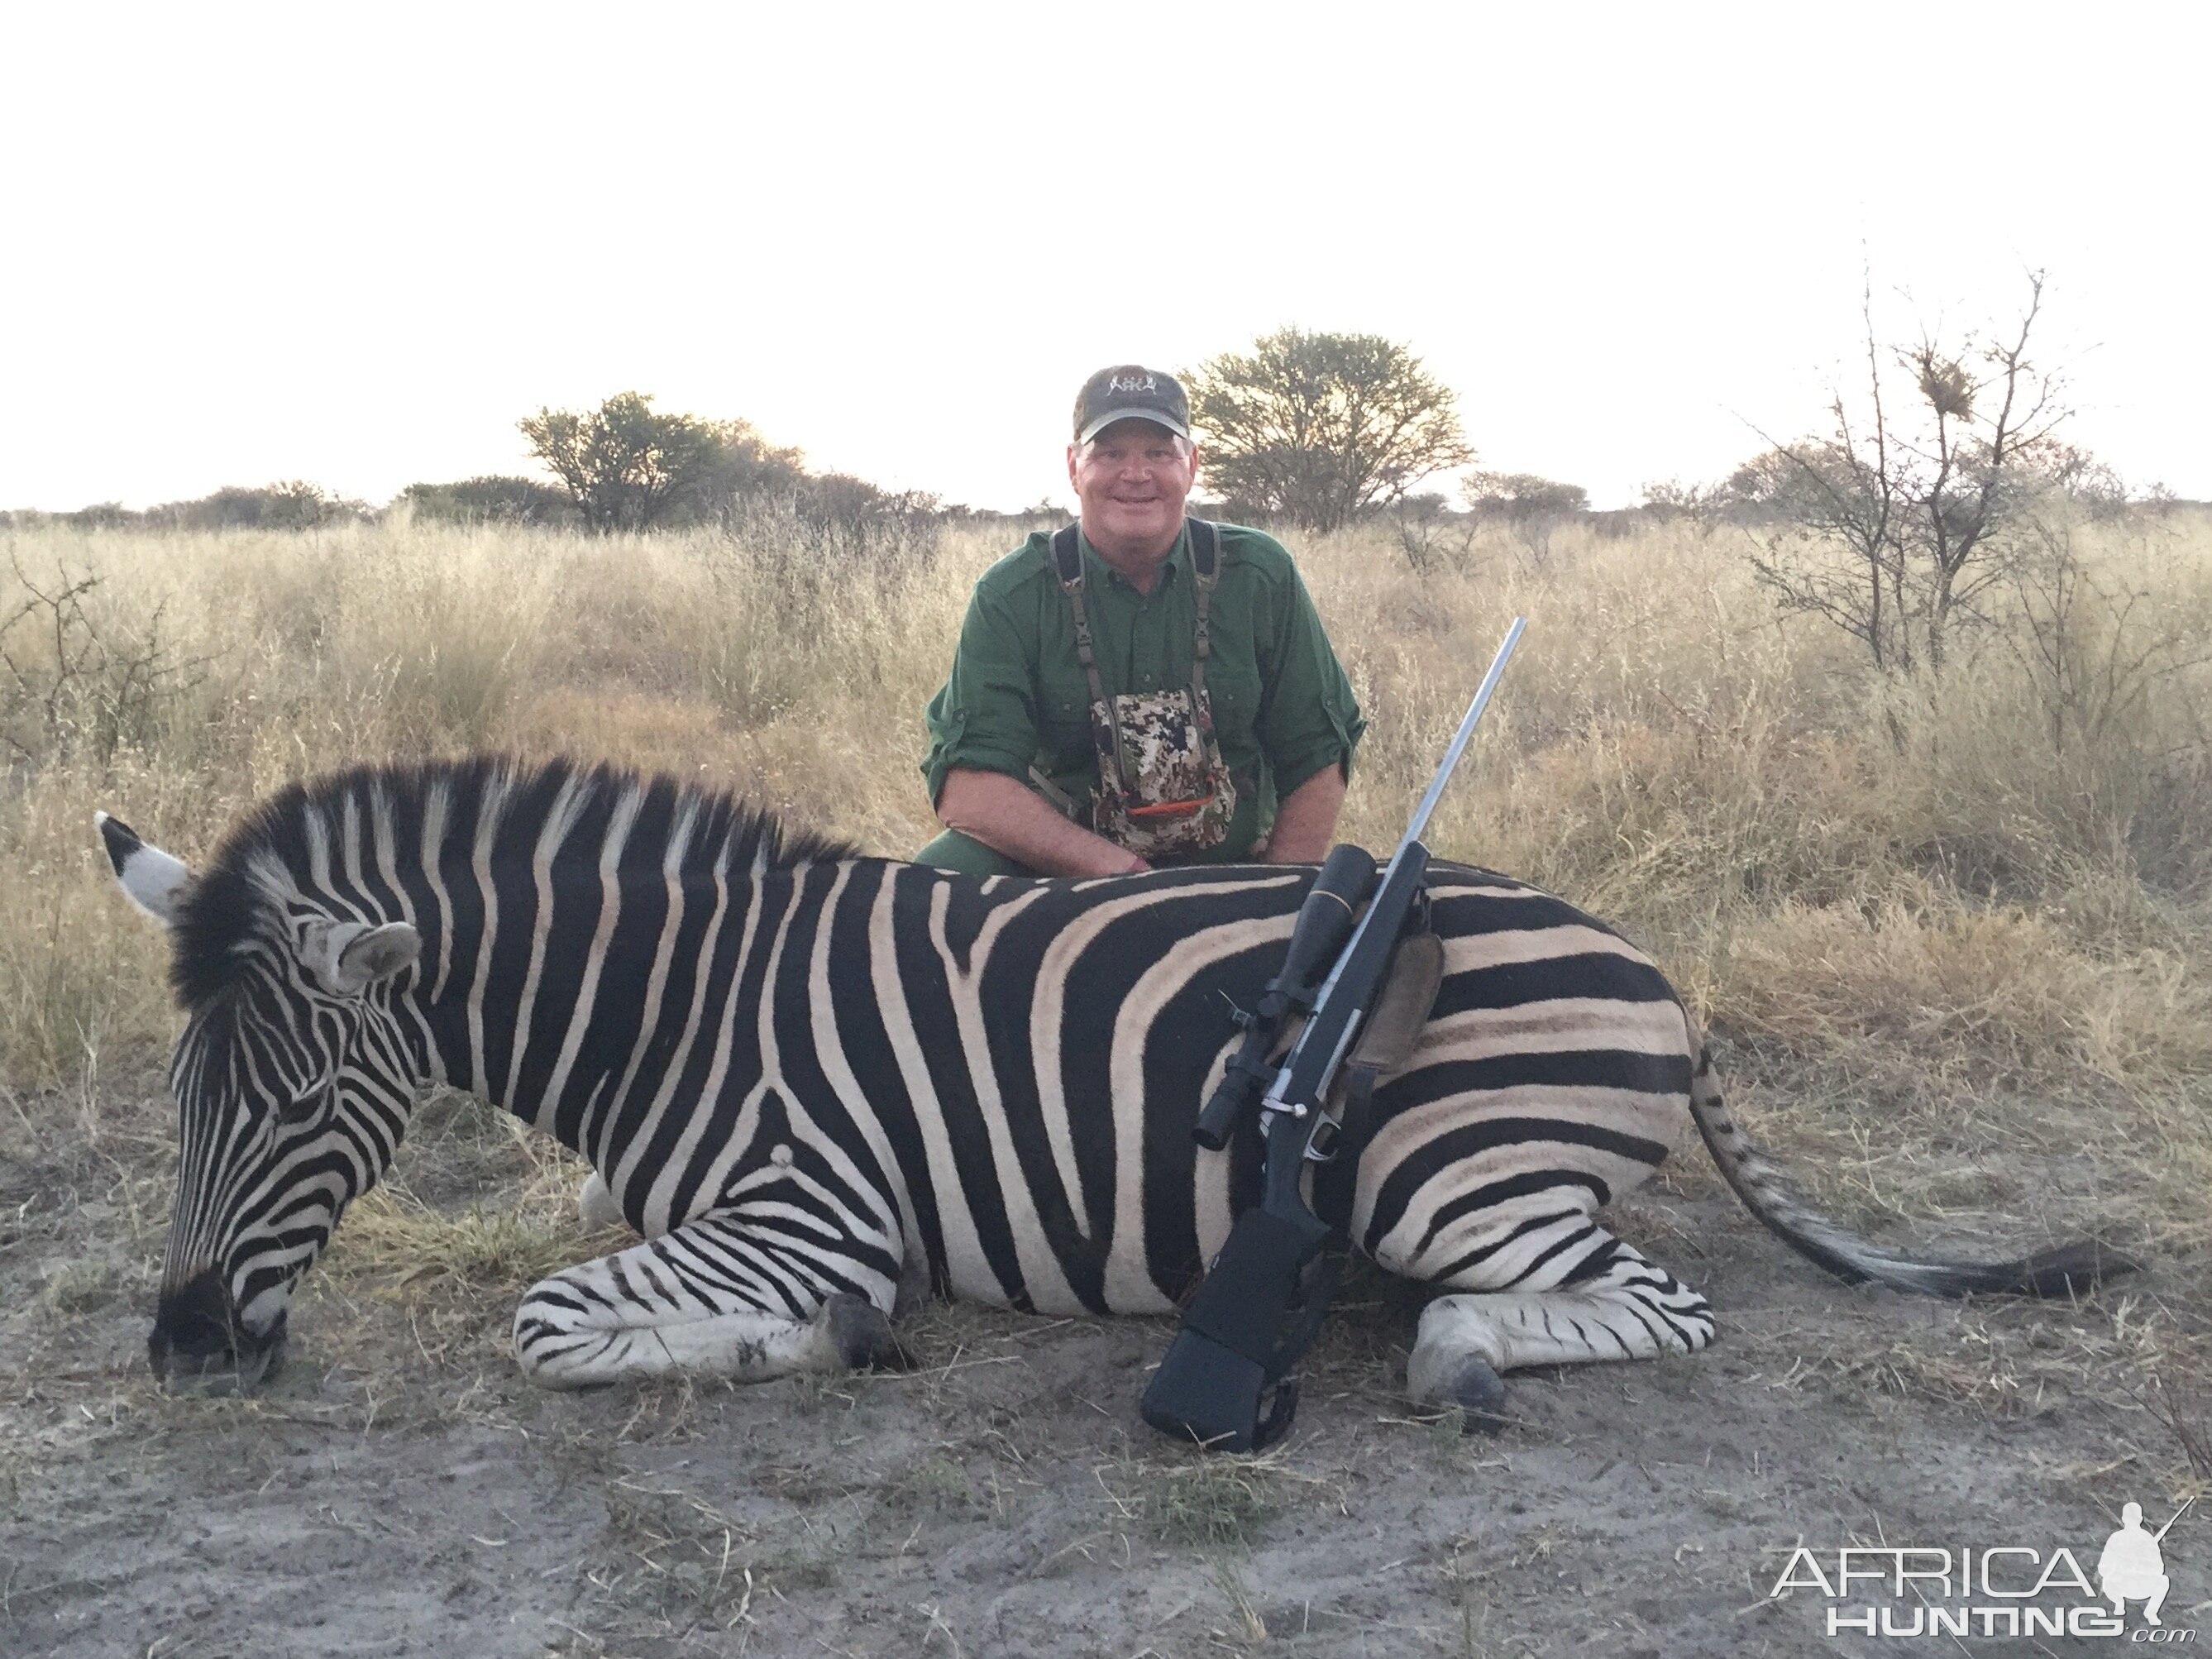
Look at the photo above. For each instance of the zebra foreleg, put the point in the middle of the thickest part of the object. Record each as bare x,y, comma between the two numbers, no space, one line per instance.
1610,1303
709,1299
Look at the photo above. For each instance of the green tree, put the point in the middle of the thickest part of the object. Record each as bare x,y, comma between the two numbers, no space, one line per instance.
1319,428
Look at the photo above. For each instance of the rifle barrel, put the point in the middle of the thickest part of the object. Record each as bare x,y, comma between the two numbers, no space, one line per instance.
1420,820
2159,1535
1411,857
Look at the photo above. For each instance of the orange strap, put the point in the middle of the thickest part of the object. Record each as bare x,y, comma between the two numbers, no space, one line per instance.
1169,809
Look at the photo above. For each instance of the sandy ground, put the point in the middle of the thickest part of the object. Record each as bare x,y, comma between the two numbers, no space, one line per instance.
401,1491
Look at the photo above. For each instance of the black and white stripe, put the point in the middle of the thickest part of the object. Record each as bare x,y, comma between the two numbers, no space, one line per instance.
806,1075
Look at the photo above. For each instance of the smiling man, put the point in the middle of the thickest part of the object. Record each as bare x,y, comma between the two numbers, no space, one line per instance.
1139,688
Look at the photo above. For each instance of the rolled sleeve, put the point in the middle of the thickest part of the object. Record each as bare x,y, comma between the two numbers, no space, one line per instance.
1309,718
984,716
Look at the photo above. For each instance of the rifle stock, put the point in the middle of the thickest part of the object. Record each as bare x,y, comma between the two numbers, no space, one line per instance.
1228,1354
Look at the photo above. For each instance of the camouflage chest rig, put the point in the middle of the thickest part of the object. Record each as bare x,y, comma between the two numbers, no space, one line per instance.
1162,790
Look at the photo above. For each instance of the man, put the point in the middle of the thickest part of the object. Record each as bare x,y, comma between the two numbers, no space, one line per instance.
1141,689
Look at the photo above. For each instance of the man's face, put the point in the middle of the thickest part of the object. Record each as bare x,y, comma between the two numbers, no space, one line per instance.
1132,479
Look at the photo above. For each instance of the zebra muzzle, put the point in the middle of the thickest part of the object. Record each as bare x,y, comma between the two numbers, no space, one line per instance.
198,1344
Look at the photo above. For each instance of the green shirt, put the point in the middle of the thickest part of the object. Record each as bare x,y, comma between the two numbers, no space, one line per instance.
1017,695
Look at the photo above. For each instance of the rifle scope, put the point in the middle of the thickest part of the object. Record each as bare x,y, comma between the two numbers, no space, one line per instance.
1325,922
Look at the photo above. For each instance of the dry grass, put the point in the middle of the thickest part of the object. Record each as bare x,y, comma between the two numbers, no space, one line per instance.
1665,752
1961,956
1204,1501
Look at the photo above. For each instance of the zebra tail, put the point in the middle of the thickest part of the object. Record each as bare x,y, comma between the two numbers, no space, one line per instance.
1769,1194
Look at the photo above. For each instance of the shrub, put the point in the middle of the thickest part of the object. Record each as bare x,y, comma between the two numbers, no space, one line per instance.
294,505
492,499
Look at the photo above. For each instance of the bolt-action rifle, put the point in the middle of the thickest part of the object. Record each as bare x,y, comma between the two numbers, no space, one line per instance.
1263,1299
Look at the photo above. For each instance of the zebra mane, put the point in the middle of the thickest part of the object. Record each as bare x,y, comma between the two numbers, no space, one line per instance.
274,852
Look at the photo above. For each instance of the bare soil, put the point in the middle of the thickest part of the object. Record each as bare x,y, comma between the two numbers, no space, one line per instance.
400,1490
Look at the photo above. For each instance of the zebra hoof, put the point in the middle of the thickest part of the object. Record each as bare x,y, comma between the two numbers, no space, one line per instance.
859,1335
913,1287
1479,1393
1446,1375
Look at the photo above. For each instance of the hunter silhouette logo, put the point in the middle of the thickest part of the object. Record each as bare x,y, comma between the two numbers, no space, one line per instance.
1999,1590
2132,1568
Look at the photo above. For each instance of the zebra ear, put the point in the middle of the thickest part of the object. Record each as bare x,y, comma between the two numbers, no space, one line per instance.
157,883
349,957
378,954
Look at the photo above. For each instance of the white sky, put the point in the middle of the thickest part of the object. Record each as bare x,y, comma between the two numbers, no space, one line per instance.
240,244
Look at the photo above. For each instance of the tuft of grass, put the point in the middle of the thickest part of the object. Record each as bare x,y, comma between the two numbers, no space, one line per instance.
934,1483
420,1254
1211,1501
452,1276
1247,1627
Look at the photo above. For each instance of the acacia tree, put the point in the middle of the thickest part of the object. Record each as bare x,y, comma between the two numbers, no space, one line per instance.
623,463
1319,428
1902,517
629,466
1522,495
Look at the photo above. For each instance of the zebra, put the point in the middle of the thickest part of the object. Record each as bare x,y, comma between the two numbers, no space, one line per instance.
818,1085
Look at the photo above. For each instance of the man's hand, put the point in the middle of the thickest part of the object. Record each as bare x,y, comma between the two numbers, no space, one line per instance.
1008,816
1306,819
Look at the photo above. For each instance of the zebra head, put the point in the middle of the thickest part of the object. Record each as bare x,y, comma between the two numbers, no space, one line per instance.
293,1082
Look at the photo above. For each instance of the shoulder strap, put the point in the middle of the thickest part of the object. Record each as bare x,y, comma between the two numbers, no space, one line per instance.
1206,568
1205,553
1067,558
1067,555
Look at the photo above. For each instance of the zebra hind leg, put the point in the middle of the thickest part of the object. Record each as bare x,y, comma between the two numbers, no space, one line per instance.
705,1300
1611,1304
